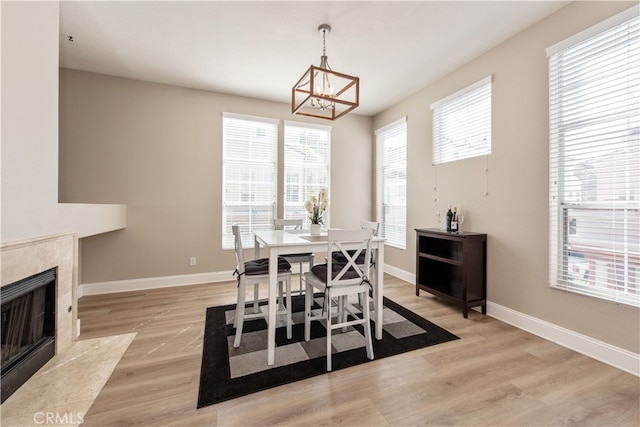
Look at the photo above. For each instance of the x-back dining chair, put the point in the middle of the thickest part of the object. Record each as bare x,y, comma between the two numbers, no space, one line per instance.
300,259
339,281
256,272
365,225
370,225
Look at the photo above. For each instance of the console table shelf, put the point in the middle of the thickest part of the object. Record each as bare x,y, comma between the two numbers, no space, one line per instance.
453,266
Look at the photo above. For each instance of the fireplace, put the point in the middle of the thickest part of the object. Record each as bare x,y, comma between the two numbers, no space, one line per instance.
28,328
27,258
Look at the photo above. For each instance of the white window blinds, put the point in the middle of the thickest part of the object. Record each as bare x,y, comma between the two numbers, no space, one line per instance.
249,175
462,123
306,167
594,161
391,182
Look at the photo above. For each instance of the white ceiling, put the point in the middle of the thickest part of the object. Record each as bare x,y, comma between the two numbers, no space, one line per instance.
261,48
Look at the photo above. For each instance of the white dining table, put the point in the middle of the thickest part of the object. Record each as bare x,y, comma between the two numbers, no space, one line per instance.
279,242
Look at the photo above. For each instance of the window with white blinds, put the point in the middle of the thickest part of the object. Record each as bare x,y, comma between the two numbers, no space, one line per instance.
306,167
391,182
594,161
462,123
249,164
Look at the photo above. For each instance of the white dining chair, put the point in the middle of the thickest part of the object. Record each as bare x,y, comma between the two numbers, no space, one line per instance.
339,281
300,259
370,225
256,272
373,225
365,225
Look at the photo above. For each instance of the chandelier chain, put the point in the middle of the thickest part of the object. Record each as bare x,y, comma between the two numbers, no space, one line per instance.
324,42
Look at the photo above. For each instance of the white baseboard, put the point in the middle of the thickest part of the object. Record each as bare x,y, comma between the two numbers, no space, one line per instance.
400,274
606,353
99,288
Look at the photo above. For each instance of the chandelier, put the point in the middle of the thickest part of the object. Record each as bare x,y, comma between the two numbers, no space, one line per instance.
322,92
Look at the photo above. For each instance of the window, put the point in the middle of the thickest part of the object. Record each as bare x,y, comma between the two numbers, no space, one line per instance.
462,123
249,175
306,166
594,161
391,182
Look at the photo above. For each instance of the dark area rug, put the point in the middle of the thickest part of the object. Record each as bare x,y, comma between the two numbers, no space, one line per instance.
227,373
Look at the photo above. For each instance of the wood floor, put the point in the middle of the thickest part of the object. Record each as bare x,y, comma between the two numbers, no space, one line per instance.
495,375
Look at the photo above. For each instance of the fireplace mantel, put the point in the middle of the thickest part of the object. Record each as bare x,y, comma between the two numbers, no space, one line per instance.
28,257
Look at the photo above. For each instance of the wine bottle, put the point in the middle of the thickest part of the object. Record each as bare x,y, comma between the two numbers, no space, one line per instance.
454,221
449,218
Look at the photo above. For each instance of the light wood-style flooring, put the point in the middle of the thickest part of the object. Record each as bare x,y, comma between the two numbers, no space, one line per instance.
495,375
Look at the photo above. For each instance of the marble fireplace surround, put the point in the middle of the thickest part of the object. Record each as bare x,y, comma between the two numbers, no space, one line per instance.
65,387
28,257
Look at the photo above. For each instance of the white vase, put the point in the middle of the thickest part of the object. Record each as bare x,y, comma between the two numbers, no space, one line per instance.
315,229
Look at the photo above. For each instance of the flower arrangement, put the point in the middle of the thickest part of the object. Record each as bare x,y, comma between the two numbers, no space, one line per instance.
316,206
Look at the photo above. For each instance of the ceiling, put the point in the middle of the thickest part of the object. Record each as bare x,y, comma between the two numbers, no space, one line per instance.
260,49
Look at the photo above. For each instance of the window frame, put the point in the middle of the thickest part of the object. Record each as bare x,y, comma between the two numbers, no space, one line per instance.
395,235
307,186
567,236
267,164
459,117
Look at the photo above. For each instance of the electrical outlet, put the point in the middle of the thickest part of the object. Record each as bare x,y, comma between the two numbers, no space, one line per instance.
192,261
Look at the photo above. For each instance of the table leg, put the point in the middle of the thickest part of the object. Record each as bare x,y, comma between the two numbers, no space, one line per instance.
256,286
379,289
271,321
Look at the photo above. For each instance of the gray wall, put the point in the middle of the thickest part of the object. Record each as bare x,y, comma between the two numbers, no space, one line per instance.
514,214
158,149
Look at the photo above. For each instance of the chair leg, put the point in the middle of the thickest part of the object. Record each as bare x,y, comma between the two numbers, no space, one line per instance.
308,298
342,310
300,277
256,297
289,307
328,308
239,314
235,317
374,290
366,315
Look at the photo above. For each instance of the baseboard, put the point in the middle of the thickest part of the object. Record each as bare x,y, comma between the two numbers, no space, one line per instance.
606,353
99,288
400,274
115,286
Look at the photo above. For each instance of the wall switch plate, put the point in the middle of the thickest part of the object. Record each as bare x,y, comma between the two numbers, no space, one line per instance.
192,261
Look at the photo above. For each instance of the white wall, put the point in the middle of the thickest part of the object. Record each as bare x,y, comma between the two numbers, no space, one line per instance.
29,172
29,118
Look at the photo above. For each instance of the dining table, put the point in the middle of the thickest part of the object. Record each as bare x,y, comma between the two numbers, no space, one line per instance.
279,242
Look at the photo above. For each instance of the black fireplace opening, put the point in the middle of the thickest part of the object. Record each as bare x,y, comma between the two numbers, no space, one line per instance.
28,328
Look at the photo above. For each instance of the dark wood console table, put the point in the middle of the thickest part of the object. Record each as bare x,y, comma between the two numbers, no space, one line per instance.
452,266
